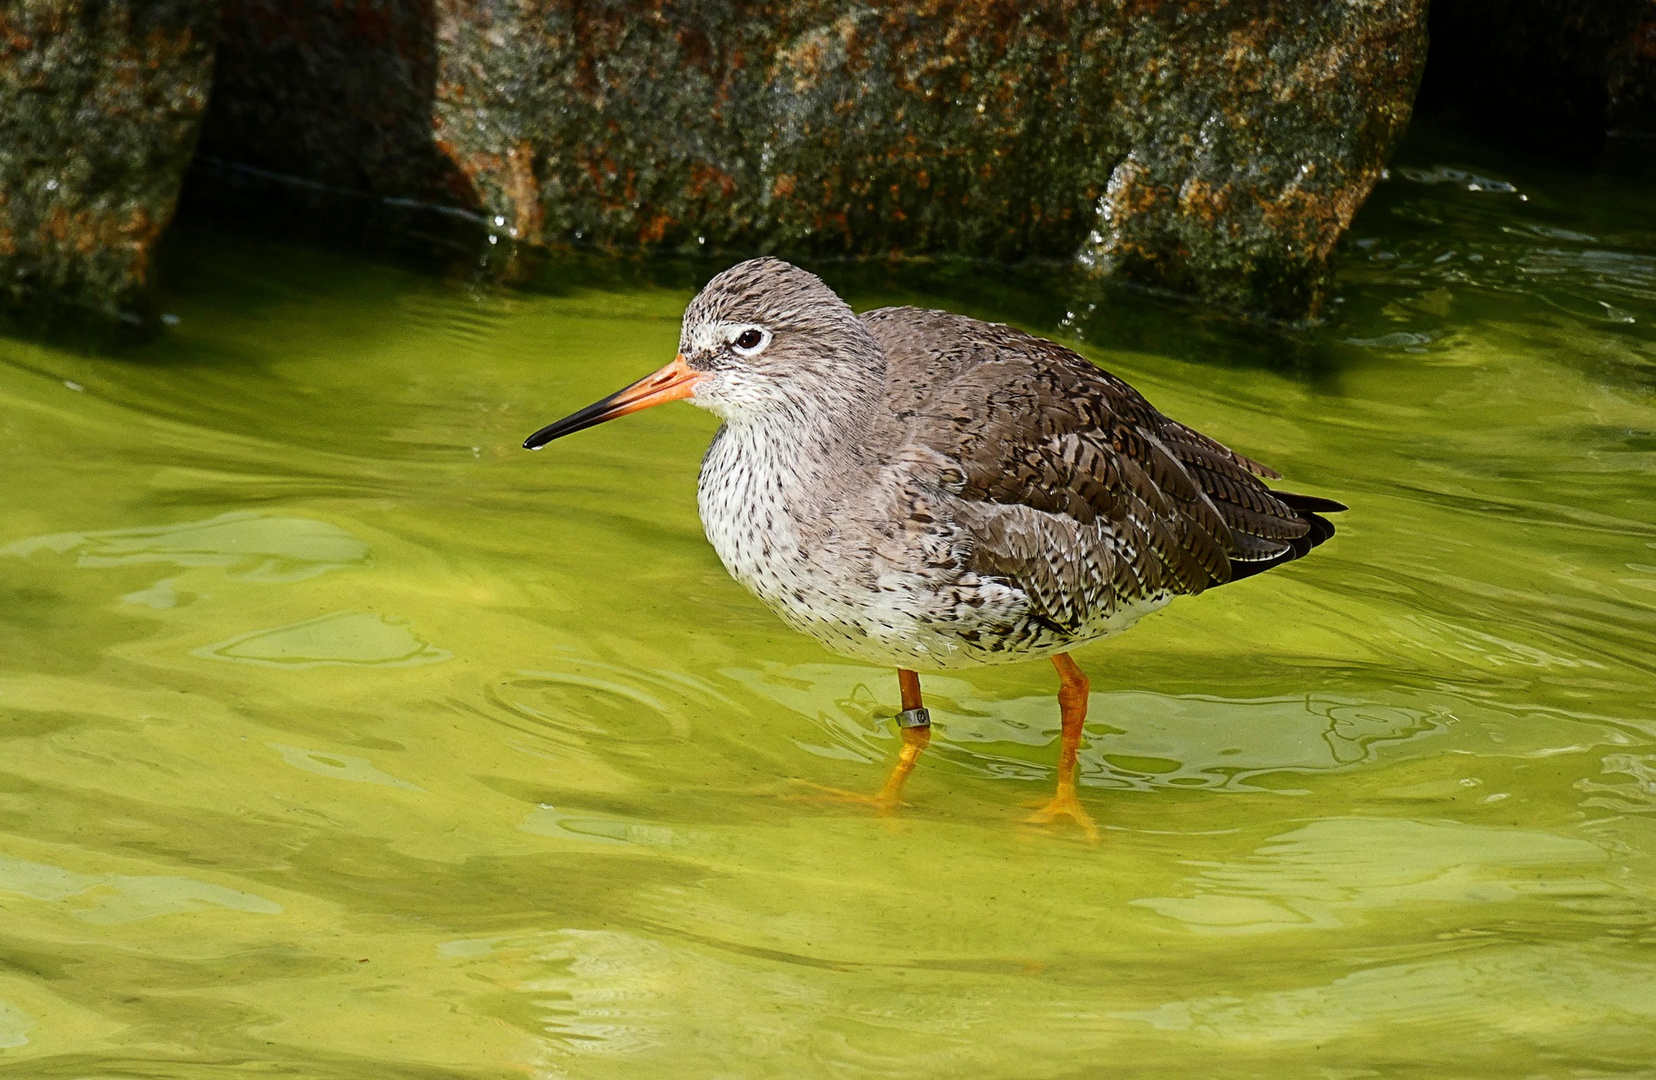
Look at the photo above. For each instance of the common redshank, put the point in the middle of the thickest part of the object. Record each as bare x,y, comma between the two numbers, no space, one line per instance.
928,491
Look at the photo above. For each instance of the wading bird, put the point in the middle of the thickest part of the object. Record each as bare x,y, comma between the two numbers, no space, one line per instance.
928,491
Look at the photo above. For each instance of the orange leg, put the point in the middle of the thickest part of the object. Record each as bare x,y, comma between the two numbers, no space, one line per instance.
1072,700
915,726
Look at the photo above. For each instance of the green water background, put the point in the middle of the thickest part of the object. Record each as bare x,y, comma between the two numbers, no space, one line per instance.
341,738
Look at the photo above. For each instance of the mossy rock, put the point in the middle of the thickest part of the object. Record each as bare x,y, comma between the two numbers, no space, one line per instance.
100,105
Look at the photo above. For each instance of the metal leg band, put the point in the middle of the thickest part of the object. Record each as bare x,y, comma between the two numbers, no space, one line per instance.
913,718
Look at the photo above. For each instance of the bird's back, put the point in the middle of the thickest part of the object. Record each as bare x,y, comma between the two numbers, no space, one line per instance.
1069,487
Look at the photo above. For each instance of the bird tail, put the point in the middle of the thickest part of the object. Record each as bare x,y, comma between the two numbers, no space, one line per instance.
1310,509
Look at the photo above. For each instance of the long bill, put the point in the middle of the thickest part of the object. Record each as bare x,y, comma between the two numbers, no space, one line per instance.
674,382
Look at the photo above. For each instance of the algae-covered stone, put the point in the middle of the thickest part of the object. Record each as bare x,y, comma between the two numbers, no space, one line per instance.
100,102
1217,149
1248,135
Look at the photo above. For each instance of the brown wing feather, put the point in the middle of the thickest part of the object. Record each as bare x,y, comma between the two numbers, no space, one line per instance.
1047,453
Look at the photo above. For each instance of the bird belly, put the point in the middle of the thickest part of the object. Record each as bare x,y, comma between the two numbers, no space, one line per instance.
874,628
895,618
857,604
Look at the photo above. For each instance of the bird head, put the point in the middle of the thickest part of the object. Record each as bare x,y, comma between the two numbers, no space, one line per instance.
764,338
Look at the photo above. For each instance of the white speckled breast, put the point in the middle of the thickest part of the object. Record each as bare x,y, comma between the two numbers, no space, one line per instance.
745,515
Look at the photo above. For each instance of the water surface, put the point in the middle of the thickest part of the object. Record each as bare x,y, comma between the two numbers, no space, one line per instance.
341,738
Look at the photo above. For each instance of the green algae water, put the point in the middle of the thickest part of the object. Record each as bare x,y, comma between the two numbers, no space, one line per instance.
341,738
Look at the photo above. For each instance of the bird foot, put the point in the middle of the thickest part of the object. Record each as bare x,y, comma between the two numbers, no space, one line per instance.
1066,804
883,804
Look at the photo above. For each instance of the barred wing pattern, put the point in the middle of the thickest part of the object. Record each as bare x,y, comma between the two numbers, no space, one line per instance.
1071,487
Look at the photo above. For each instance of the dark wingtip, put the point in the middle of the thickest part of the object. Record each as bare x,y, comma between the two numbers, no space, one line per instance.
1314,504
1310,509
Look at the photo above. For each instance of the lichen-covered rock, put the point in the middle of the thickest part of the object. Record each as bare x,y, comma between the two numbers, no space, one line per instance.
100,103
1248,137
1217,148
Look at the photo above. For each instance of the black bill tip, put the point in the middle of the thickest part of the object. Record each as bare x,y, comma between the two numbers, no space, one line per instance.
591,416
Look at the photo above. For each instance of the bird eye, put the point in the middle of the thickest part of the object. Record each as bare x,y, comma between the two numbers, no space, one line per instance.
749,340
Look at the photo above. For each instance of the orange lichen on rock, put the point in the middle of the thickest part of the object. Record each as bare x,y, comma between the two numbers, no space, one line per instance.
1214,148
99,108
